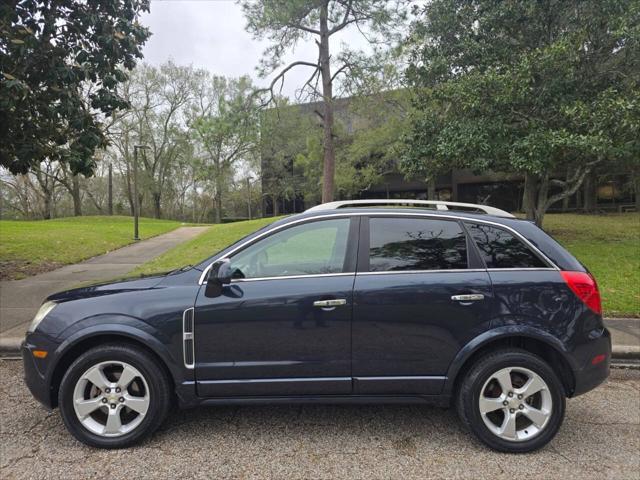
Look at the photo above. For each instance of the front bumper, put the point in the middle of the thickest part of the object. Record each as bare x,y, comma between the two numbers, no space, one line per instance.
35,375
590,376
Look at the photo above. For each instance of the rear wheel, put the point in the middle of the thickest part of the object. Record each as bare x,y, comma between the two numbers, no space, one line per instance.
113,396
512,400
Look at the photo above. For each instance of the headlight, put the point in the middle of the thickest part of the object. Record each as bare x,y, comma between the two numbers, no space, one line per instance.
44,310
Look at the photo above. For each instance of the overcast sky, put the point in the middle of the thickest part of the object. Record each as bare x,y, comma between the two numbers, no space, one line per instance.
211,34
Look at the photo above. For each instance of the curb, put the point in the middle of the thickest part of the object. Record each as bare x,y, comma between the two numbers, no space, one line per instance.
10,347
626,352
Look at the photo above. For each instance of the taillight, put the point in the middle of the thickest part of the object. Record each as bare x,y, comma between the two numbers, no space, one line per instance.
585,288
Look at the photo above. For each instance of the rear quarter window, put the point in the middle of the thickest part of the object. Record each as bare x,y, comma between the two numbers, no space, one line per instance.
501,249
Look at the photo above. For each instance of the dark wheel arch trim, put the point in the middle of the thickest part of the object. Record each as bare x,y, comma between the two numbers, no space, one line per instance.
91,336
498,336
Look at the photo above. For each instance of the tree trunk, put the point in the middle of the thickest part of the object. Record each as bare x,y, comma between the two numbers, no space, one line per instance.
530,197
75,195
157,211
218,208
218,199
132,208
48,206
276,207
635,176
195,197
249,198
534,200
589,193
565,200
543,195
110,191
327,97
431,188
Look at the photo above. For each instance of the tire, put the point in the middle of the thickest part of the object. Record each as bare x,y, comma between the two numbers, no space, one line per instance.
121,413
504,427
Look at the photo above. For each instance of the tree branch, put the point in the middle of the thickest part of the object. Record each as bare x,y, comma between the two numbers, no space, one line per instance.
303,28
280,76
340,70
572,185
345,20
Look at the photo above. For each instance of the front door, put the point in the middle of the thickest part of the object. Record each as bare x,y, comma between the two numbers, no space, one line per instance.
283,326
418,299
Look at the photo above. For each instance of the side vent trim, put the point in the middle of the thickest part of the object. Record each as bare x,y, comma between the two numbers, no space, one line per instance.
187,338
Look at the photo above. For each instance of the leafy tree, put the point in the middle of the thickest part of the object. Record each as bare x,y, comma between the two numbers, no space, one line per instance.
159,97
224,121
49,51
522,87
291,152
378,121
285,24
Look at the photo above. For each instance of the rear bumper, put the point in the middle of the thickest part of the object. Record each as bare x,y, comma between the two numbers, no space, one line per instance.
590,376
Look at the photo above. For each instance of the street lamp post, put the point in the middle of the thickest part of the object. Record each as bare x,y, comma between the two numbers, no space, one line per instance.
136,198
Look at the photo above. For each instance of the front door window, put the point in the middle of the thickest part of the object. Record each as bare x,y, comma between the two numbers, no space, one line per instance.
309,249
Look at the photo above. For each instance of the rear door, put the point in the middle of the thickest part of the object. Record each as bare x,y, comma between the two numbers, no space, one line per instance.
421,293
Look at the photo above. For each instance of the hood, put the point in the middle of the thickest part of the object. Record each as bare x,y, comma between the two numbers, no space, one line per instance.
100,289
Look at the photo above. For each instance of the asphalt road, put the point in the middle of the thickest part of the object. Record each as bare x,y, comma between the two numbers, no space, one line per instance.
599,439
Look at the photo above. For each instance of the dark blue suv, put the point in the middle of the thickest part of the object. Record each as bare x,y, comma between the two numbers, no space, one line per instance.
426,302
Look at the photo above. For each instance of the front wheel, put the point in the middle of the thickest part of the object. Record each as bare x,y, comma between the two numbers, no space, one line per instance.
512,401
113,396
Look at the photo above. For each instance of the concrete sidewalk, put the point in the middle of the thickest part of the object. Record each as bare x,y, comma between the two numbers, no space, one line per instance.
20,299
625,337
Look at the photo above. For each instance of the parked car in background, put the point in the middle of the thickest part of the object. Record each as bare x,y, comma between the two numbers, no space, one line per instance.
359,301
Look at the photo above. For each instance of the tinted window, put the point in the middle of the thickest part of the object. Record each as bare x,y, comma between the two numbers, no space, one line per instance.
310,248
415,244
500,249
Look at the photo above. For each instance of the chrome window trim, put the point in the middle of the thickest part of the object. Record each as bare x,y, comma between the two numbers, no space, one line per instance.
552,266
398,272
290,277
526,269
457,270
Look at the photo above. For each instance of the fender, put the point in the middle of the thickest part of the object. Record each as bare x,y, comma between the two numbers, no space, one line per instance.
497,333
124,326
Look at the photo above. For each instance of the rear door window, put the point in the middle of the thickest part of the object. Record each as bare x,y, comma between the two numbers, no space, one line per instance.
501,249
397,244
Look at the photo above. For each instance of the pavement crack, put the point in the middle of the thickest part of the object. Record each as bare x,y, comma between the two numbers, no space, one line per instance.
560,454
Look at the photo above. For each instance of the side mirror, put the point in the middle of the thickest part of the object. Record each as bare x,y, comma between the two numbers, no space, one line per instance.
223,272
219,276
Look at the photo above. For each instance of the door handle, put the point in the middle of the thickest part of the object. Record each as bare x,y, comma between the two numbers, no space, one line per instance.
470,297
330,303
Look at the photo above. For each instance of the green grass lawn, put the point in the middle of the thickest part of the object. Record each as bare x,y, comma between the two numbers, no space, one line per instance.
608,245
30,247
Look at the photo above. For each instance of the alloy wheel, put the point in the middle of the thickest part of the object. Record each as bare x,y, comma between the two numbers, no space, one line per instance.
515,404
111,398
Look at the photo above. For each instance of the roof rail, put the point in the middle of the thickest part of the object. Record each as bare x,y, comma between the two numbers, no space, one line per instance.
440,205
